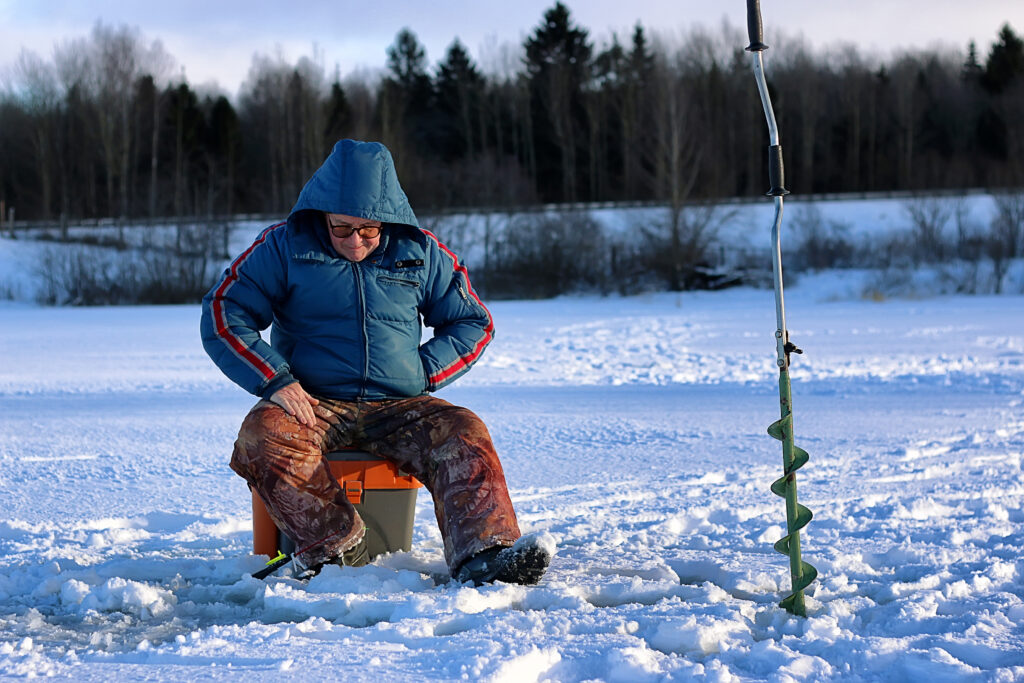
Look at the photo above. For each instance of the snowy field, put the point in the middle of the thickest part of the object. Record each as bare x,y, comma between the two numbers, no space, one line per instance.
737,233
632,430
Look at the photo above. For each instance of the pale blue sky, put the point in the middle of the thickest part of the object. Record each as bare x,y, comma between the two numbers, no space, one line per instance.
215,40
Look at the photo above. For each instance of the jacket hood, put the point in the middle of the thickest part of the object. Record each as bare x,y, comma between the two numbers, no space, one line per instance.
358,179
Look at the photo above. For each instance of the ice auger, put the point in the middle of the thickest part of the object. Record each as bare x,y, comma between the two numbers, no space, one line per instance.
793,457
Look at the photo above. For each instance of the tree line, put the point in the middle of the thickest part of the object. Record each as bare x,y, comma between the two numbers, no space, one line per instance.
104,128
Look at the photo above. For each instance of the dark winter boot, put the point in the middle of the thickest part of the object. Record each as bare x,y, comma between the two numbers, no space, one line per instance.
523,563
356,556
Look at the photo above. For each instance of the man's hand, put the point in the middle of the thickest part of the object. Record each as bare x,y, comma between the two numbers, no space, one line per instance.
296,402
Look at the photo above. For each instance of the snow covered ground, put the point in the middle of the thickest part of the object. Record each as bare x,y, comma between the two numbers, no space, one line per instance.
632,430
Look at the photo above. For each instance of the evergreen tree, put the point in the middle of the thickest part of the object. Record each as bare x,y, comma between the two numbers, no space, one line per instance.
1004,66
186,122
1005,62
605,114
610,65
407,61
1001,125
337,114
459,87
222,142
406,111
972,70
557,66
636,117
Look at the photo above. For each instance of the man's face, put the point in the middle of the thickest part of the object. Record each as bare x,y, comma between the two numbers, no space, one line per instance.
354,246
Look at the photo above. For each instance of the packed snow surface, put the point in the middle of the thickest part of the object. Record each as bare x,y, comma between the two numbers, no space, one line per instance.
632,431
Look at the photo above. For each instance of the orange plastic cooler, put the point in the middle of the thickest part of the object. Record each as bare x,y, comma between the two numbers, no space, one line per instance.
383,495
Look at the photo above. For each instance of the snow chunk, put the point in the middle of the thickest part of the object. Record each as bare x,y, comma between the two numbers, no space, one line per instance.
634,665
26,659
687,636
530,666
119,595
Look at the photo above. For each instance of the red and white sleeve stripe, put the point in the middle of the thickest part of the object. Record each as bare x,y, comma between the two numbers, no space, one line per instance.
464,361
235,343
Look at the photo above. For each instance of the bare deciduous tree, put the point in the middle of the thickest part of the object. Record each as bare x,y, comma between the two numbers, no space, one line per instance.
35,85
677,151
929,218
117,63
284,103
1006,240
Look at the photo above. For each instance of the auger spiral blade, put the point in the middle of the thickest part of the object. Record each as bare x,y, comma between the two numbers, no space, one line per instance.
793,457
797,515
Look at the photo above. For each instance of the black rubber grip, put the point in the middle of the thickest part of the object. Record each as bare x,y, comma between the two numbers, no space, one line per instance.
776,174
755,32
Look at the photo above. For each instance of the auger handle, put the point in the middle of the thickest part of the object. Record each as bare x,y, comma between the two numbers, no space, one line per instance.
755,30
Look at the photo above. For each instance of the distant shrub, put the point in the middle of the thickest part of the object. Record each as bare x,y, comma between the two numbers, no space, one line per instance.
545,256
821,244
172,270
1006,237
929,220
112,241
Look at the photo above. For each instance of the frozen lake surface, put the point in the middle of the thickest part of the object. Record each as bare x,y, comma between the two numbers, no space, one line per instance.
631,429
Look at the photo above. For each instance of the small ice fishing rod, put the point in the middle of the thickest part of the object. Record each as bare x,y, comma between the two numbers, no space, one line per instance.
282,558
793,457
273,565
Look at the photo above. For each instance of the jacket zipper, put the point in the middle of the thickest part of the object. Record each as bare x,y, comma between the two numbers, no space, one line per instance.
358,272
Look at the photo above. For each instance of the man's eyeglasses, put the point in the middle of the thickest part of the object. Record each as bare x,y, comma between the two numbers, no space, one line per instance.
344,230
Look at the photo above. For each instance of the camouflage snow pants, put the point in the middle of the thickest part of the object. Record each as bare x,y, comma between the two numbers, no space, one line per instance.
446,447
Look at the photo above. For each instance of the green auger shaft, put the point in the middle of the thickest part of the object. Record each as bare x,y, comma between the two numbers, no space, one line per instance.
793,457
797,515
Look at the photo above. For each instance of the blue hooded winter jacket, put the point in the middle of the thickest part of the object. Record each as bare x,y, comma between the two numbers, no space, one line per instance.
344,329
